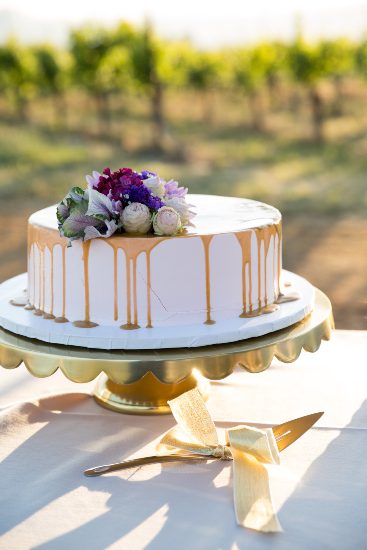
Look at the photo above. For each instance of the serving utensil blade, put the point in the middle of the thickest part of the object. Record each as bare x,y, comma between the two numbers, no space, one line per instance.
285,434
288,432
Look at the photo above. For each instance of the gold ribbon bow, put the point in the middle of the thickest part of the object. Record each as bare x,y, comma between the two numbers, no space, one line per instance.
250,448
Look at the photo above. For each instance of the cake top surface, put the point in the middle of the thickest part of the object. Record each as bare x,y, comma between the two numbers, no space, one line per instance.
214,215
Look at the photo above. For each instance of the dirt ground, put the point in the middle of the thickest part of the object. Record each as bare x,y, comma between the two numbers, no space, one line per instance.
332,254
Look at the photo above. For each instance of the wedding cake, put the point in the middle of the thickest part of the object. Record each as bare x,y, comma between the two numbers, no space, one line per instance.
134,252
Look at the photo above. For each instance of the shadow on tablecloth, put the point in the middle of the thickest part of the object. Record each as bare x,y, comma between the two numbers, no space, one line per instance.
47,444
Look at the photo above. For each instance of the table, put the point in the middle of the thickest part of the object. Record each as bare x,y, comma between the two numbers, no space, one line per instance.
320,489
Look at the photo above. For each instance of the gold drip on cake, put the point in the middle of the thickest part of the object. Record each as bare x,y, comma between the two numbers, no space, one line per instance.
86,322
245,242
149,298
206,239
289,297
132,246
265,310
20,301
48,316
40,238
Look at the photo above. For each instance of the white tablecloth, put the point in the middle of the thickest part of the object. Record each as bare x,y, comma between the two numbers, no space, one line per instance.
320,489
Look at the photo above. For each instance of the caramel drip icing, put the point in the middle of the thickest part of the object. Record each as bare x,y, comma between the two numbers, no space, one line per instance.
29,307
40,238
61,320
149,298
21,301
86,322
262,311
48,316
289,297
264,235
245,242
132,246
282,299
206,239
38,311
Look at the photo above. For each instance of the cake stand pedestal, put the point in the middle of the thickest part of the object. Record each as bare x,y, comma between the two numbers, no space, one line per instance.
141,382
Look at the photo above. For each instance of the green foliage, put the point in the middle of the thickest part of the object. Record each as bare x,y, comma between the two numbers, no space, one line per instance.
252,67
52,71
338,57
18,74
361,58
129,59
203,70
307,62
88,47
147,56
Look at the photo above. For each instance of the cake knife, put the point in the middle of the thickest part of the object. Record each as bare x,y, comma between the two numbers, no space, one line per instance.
285,434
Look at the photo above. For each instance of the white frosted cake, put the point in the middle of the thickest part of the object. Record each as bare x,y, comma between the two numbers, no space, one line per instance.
226,264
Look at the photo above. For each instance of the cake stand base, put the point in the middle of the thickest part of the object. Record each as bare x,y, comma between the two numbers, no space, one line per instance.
146,396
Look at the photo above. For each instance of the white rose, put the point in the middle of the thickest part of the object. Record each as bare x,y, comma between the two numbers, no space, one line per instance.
136,218
156,186
166,221
180,205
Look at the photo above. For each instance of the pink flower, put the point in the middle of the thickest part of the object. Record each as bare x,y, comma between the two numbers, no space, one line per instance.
166,221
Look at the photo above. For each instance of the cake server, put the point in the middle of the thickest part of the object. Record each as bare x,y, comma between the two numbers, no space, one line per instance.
285,434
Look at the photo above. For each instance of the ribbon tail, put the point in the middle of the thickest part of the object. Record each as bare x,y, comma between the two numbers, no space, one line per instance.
252,498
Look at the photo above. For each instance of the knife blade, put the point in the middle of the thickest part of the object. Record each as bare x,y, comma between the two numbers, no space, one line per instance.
288,432
285,434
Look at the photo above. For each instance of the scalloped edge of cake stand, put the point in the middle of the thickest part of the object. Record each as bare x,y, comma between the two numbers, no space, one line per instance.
141,382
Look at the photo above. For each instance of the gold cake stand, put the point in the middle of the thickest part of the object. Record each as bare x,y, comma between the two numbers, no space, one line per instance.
141,382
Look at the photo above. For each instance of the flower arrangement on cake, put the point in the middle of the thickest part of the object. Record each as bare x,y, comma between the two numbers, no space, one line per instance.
124,200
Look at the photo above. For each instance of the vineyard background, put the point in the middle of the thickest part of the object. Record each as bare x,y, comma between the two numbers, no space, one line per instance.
283,123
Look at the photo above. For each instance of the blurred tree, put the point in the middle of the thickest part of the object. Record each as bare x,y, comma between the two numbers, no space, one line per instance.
308,65
17,76
89,46
101,64
275,71
360,59
203,72
252,69
52,78
148,53
338,56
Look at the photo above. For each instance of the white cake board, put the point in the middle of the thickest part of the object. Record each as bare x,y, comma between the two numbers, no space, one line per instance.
23,322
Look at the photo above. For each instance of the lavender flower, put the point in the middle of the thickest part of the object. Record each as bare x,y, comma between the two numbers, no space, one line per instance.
173,190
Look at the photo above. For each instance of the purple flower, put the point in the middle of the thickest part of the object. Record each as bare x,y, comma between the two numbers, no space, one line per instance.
145,174
116,185
173,190
140,193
